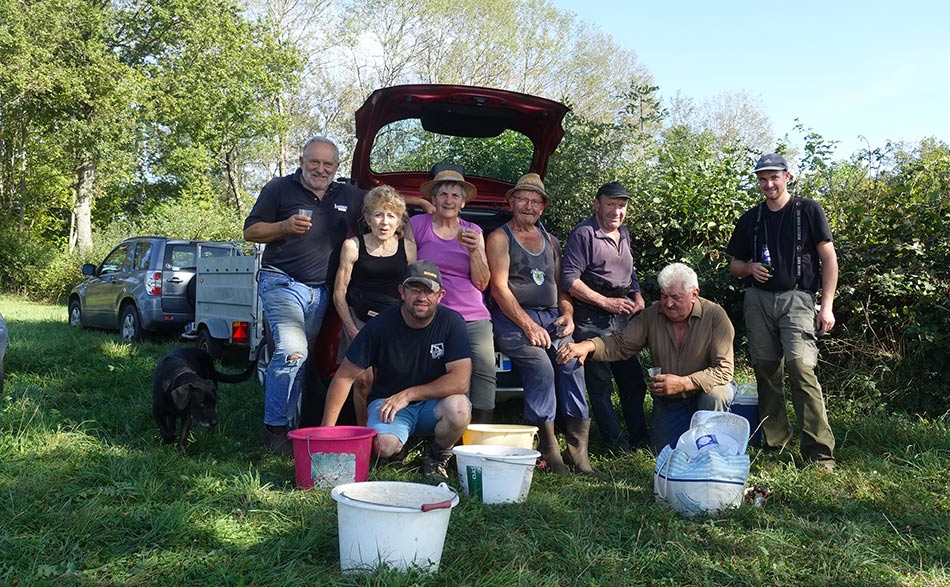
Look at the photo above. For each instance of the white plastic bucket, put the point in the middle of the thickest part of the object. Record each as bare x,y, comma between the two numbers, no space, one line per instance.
496,474
399,525
500,435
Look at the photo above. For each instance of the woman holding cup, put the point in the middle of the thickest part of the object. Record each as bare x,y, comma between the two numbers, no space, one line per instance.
457,247
372,266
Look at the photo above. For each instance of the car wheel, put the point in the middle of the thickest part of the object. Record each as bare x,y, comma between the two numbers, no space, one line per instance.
209,344
75,313
130,327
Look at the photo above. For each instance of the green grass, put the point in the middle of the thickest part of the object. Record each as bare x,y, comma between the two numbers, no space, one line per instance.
89,496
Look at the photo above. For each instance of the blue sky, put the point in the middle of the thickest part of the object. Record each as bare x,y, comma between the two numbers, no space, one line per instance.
843,68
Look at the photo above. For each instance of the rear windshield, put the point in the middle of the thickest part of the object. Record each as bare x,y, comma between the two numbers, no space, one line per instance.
178,256
405,146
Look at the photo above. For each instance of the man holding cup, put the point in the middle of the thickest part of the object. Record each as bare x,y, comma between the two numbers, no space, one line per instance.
304,219
690,340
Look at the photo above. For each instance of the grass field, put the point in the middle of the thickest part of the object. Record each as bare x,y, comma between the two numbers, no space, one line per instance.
90,496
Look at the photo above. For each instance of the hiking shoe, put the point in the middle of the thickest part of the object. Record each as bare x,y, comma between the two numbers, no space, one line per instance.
435,464
276,441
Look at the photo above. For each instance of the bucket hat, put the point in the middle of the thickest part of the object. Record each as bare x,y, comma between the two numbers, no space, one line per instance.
448,175
529,181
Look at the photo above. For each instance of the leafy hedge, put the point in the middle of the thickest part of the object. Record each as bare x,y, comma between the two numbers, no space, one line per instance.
890,213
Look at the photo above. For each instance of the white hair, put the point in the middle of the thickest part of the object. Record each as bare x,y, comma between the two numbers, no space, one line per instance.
325,141
678,274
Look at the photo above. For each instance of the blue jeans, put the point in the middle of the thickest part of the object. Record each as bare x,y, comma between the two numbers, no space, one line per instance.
628,373
539,369
295,313
416,419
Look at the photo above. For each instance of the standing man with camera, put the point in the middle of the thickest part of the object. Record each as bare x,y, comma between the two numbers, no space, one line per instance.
783,250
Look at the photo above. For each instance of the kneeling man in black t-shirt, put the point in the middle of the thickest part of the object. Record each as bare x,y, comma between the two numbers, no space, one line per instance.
422,357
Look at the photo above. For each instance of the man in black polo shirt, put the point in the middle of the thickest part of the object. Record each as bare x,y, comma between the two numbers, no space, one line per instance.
304,219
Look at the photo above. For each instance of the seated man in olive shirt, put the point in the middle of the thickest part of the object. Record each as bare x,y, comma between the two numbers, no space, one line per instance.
690,339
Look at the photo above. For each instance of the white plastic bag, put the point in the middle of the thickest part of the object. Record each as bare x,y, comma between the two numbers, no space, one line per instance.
708,469
724,432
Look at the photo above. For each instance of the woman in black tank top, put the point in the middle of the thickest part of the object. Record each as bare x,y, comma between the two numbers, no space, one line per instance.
372,265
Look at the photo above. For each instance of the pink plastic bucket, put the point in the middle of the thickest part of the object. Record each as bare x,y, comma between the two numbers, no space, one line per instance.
327,456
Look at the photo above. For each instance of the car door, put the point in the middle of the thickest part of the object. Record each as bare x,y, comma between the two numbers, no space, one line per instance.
178,269
101,289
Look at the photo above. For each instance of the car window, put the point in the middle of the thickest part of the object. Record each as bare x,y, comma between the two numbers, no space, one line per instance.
117,260
142,255
405,146
215,252
180,255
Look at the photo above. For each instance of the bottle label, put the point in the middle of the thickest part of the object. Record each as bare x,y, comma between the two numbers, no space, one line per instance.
706,441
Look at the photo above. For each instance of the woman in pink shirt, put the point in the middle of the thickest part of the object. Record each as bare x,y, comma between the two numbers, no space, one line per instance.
457,247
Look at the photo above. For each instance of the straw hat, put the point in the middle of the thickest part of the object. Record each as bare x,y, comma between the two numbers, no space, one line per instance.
448,175
529,181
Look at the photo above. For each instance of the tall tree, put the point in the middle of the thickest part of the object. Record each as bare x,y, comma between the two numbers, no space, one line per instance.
215,84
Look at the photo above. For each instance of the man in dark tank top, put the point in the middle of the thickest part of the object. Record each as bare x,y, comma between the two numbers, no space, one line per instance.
532,319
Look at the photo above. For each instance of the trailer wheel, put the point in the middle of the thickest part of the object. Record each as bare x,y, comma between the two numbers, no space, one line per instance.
209,344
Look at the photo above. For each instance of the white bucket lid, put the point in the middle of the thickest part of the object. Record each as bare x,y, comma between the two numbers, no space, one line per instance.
495,451
394,495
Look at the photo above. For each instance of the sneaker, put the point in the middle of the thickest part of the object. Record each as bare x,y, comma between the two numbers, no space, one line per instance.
276,441
435,464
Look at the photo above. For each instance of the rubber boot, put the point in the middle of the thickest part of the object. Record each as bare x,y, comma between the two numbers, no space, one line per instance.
482,416
549,449
577,432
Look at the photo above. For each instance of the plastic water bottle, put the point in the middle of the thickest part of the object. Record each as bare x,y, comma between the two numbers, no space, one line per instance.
707,437
707,442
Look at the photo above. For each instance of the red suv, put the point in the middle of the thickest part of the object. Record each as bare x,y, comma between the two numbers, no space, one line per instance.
496,136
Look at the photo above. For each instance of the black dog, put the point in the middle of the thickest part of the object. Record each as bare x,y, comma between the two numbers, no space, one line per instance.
184,386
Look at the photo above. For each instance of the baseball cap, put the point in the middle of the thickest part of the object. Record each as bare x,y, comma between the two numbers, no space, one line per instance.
613,189
424,272
771,162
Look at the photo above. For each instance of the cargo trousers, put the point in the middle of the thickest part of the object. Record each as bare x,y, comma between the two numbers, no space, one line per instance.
782,339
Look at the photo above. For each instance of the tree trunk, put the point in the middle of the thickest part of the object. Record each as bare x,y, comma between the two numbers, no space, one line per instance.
82,210
232,179
281,141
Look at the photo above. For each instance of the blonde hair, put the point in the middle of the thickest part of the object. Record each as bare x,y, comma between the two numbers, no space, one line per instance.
385,197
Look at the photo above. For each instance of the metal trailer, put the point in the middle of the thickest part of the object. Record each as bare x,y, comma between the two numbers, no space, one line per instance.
228,312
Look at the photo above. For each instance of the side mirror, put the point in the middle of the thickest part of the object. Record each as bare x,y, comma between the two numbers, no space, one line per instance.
88,269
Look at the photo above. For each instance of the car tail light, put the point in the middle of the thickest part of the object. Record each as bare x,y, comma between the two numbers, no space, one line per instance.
240,332
153,284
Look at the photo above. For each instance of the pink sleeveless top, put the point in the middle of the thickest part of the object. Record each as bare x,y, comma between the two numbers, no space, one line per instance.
453,260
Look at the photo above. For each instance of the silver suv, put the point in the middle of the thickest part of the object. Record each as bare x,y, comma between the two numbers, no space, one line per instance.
143,285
